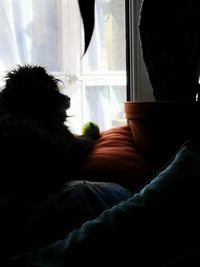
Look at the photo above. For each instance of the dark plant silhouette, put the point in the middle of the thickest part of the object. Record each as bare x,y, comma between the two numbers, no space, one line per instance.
170,42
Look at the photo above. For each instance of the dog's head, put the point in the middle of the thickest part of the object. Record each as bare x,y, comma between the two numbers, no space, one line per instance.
31,92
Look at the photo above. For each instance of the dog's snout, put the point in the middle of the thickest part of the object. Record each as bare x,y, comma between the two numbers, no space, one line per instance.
68,101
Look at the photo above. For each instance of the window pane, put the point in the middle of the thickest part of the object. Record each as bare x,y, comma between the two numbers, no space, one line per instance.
105,105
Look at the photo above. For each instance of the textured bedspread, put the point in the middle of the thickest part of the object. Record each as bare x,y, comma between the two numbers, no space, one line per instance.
27,225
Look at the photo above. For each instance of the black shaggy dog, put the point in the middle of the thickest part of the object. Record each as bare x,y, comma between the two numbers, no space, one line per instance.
41,195
37,151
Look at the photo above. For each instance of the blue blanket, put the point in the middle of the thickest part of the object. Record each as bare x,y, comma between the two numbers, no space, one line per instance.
157,226
27,226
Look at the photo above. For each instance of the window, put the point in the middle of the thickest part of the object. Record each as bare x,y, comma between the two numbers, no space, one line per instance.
50,33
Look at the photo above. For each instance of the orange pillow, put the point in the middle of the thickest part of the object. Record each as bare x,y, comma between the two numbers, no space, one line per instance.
116,159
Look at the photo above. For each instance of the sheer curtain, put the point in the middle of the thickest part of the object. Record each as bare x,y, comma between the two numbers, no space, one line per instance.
47,33
50,33
40,32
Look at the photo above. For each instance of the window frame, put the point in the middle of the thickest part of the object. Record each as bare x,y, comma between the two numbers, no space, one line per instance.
138,83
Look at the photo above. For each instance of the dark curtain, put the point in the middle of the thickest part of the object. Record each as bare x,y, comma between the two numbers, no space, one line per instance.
170,39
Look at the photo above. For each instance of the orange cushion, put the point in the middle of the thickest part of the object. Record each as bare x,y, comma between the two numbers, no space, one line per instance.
116,159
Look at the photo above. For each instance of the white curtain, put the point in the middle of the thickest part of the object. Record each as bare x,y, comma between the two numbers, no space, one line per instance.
44,32
50,33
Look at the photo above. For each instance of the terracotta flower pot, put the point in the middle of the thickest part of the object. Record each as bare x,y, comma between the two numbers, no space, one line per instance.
160,128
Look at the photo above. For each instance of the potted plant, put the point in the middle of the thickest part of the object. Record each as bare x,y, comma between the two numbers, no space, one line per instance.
170,41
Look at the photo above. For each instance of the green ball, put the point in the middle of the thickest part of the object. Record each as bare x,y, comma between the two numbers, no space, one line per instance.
91,129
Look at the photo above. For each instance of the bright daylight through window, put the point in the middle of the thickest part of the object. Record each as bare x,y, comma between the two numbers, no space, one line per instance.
50,33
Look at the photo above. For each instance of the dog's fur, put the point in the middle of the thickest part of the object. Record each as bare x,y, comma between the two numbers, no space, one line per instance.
37,150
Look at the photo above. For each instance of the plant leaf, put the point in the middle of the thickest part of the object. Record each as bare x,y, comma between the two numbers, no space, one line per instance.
88,16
